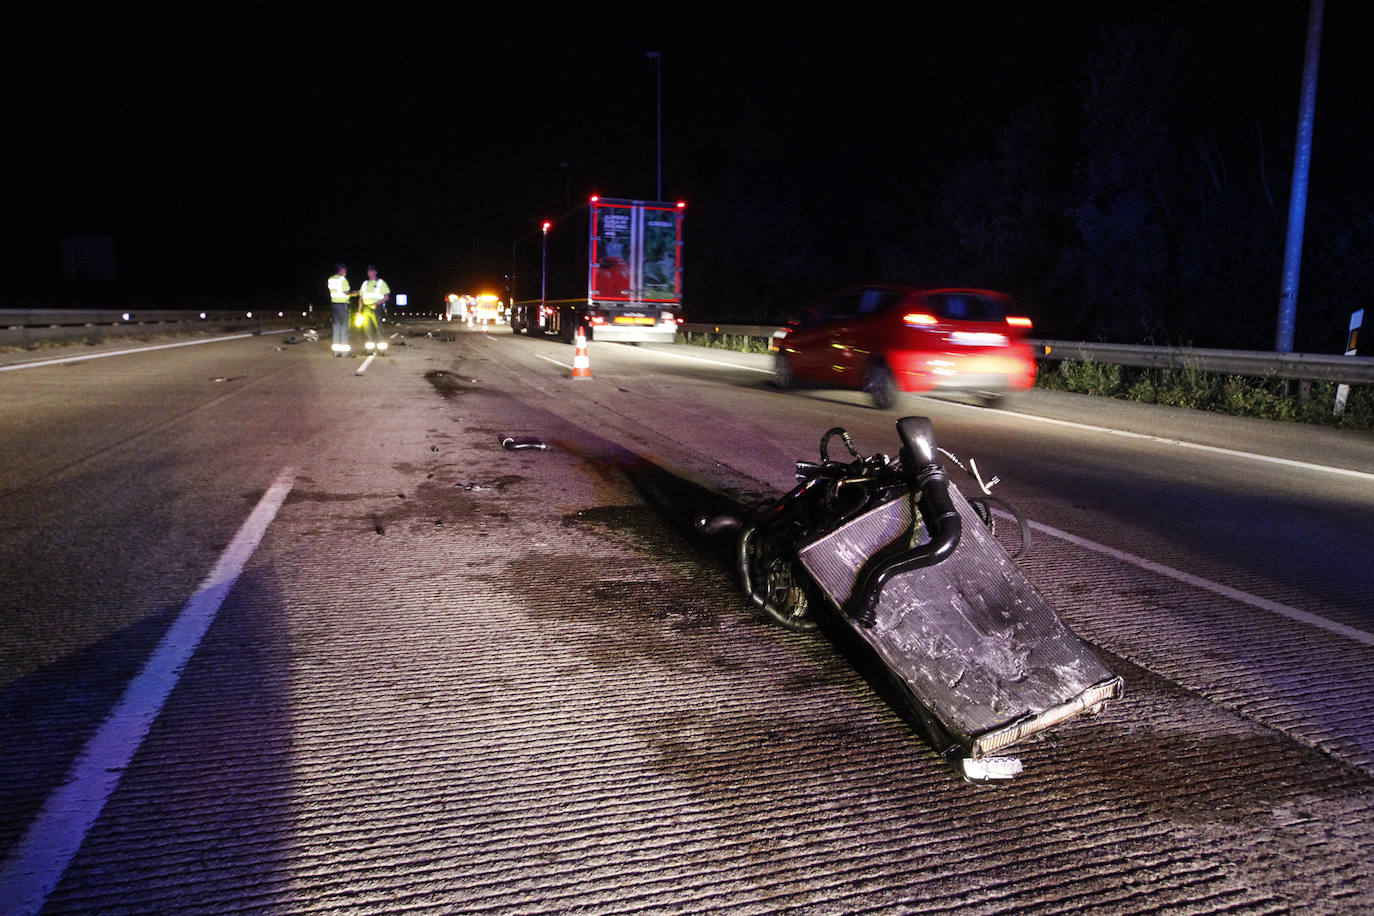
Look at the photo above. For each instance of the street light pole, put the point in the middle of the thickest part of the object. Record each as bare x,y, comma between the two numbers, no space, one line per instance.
544,272
1297,200
657,58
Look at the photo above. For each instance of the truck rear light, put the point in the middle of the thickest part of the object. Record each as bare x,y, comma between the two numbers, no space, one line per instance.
1018,321
919,319
596,319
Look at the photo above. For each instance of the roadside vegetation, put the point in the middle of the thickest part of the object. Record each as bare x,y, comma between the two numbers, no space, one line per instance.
1242,396
741,343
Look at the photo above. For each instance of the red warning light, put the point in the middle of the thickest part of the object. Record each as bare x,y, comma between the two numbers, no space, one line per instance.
547,226
682,205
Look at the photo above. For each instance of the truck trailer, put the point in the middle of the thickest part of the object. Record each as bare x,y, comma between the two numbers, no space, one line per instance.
612,266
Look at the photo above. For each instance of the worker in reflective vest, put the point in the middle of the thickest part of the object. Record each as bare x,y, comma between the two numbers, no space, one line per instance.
339,295
373,295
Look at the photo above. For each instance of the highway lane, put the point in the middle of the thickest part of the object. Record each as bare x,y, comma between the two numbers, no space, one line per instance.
124,476
1282,507
458,676
1213,550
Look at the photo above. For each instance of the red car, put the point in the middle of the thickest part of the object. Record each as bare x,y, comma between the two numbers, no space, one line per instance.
885,338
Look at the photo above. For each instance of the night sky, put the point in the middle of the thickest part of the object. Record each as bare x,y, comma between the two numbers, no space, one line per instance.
236,151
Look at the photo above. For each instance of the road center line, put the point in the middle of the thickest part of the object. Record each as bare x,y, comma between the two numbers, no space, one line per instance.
549,359
713,362
37,863
86,356
367,362
1226,591
1216,449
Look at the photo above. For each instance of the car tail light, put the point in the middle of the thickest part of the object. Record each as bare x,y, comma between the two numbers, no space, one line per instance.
1018,321
919,319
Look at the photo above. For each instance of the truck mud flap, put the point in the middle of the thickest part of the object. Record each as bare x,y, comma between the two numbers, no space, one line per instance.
969,638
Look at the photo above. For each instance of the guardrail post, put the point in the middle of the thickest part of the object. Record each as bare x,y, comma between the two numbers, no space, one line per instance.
1352,346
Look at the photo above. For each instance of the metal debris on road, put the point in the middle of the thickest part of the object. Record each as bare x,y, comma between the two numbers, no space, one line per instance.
518,442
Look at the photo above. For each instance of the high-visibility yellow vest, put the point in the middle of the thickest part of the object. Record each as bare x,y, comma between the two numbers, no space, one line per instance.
372,291
338,288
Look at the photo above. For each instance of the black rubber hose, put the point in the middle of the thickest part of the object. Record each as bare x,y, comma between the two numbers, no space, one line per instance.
844,437
936,508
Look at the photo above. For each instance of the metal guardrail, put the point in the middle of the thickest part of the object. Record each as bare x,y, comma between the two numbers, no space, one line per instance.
1353,370
1323,367
26,327
29,327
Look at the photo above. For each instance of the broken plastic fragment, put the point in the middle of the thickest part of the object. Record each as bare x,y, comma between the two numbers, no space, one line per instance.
515,442
708,524
991,768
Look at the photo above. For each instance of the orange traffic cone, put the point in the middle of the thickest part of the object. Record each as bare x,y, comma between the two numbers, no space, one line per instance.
582,366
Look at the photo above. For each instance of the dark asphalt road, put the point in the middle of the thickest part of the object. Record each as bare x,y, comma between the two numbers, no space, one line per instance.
456,678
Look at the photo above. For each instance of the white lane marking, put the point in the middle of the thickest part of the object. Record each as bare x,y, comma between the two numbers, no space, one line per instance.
82,358
549,359
695,359
713,362
367,362
1226,591
1181,443
37,863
